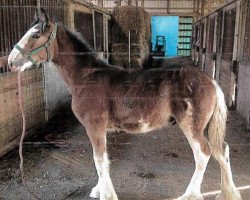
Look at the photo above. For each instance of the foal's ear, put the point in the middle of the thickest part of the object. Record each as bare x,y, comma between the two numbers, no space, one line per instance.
44,18
43,15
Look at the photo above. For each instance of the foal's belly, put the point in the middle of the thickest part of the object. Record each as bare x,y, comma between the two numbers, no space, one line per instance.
140,126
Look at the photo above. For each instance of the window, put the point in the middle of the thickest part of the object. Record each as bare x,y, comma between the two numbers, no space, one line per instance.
86,28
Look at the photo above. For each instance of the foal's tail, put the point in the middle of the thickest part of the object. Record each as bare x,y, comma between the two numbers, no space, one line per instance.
217,125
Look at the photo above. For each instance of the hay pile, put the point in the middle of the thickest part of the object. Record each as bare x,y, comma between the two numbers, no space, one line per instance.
137,21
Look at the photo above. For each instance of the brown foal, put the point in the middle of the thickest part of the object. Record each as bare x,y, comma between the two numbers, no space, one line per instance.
107,97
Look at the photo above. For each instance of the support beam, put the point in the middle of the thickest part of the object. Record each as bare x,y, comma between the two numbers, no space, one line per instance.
202,7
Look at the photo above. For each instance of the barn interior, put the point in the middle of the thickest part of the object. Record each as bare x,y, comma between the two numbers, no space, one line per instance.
211,36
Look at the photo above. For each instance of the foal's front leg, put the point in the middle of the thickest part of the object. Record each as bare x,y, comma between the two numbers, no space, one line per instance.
104,188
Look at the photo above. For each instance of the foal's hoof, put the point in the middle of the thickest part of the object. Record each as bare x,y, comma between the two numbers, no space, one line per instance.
95,193
230,196
190,197
111,196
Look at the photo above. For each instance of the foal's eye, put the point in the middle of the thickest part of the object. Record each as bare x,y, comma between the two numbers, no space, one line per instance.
36,36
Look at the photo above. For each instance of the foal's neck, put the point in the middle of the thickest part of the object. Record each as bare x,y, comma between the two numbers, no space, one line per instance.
75,60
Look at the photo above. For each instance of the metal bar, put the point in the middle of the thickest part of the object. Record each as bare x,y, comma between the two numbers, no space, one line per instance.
1,29
104,32
107,38
11,28
8,44
129,50
94,34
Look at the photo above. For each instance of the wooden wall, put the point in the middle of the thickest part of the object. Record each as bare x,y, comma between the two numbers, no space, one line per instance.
16,17
10,114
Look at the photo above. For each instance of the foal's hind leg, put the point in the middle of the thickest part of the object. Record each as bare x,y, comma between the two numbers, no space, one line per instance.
228,189
104,188
202,152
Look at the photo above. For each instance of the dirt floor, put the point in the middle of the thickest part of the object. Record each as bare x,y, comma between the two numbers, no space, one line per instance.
153,166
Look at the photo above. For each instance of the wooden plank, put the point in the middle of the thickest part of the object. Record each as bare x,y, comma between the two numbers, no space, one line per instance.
10,115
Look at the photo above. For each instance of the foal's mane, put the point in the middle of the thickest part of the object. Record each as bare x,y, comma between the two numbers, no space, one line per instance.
86,52
79,41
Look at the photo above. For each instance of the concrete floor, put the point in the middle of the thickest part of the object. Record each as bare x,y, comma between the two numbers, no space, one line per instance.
153,166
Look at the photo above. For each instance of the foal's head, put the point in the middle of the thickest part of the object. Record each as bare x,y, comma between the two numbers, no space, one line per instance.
36,46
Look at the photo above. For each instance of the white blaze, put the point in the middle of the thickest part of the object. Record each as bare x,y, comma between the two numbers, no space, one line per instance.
16,56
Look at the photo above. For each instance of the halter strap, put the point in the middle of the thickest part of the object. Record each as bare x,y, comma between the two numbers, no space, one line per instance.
28,54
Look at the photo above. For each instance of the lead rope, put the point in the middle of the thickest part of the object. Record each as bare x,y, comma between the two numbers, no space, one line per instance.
22,136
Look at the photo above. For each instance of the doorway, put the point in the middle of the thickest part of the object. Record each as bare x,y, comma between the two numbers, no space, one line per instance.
168,28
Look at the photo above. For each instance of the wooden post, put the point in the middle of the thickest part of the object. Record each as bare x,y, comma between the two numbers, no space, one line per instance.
198,9
194,7
202,7
168,2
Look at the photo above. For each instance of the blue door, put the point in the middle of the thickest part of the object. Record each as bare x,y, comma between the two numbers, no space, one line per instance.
167,26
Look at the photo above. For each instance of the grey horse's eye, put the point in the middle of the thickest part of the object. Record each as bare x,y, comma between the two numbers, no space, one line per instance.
35,36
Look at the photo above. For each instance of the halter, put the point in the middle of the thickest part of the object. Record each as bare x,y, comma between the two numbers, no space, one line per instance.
28,54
